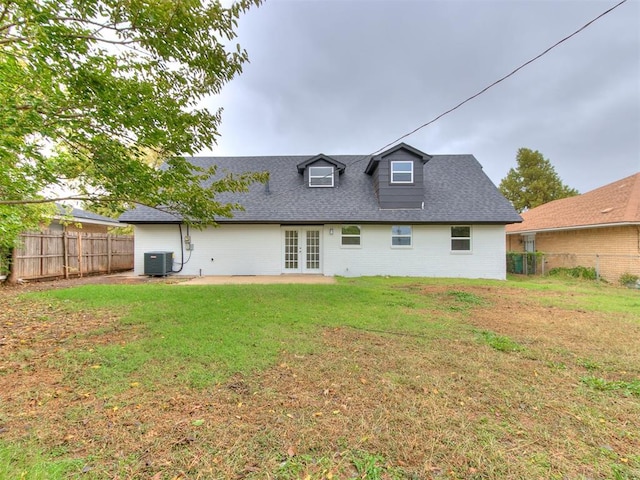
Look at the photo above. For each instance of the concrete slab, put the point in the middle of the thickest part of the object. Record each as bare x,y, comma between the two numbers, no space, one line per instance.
258,279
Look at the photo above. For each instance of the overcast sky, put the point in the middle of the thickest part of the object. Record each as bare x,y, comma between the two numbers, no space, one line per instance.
349,76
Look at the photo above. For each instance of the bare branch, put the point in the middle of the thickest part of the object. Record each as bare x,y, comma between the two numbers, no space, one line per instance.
8,40
36,201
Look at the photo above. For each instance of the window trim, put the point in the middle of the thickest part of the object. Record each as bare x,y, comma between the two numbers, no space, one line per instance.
351,235
396,162
332,176
469,238
409,236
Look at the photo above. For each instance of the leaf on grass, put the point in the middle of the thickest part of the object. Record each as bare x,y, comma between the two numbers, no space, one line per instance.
197,423
292,451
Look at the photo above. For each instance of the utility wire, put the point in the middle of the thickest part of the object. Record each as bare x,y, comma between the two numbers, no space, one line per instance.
499,80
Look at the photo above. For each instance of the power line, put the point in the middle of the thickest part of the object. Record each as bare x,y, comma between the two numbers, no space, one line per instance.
499,80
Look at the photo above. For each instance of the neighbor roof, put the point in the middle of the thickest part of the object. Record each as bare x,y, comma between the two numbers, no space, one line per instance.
613,204
79,215
456,191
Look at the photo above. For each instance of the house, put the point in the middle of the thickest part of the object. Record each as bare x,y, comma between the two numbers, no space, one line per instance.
599,229
71,219
402,212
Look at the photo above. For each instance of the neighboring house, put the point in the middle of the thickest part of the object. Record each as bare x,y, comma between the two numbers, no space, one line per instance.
402,212
71,219
600,228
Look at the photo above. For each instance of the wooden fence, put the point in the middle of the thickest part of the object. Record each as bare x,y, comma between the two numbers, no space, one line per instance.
71,254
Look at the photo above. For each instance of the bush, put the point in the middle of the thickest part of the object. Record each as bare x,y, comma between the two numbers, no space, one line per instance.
587,273
629,280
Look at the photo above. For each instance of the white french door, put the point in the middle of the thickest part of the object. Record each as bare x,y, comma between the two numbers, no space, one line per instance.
301,250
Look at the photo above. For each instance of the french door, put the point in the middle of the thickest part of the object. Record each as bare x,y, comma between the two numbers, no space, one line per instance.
301,250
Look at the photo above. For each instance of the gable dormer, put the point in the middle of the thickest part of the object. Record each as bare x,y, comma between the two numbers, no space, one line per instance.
321,171
398,177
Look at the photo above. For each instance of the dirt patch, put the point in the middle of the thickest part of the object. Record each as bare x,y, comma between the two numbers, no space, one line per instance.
126,278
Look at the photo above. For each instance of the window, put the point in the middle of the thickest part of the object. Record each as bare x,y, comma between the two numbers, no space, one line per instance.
401,236
351,235
401,172
321,176
461,239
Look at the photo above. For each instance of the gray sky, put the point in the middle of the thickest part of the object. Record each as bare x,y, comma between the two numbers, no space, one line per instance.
349,76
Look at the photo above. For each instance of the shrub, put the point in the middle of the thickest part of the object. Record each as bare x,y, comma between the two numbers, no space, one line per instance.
628,279
587,273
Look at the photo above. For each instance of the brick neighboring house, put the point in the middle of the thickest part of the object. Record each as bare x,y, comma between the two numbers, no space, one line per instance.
599,229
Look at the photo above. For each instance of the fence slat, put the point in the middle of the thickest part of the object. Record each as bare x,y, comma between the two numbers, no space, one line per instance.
67,254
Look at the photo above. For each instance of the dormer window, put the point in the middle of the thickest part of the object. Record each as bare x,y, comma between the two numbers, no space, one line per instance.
401,172
321,176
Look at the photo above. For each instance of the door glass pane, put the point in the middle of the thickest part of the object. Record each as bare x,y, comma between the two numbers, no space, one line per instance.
313,249
291,249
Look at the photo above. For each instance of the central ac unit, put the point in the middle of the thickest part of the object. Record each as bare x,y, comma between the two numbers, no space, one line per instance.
158,263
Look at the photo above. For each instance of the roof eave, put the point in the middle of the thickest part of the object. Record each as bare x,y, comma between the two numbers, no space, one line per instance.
573,227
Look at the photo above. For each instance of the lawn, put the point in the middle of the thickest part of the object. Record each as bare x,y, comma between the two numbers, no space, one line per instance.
371,378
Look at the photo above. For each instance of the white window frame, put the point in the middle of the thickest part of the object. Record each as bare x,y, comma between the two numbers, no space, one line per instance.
469,238
351,235
322,176
402,235
398,162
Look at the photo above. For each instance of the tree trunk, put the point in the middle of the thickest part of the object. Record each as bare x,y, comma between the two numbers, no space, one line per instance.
12,278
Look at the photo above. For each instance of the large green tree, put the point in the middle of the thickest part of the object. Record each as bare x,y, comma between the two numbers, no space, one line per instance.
533,182
89,89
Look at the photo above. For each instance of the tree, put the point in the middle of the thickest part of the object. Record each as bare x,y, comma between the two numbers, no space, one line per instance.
533,182
89,89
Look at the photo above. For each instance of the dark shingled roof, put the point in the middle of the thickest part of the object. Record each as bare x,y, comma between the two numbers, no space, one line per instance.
456,191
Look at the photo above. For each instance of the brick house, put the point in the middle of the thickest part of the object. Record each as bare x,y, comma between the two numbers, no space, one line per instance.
599,229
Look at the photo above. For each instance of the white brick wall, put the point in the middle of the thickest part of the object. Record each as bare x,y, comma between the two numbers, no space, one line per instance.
430,255
257,250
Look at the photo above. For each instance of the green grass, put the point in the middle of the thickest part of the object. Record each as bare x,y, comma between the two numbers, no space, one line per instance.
30,462
501,343
586,295
624,387
210,333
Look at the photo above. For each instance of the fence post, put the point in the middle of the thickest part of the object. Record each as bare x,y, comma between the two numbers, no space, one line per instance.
65,255
108,253
597,267
80,254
